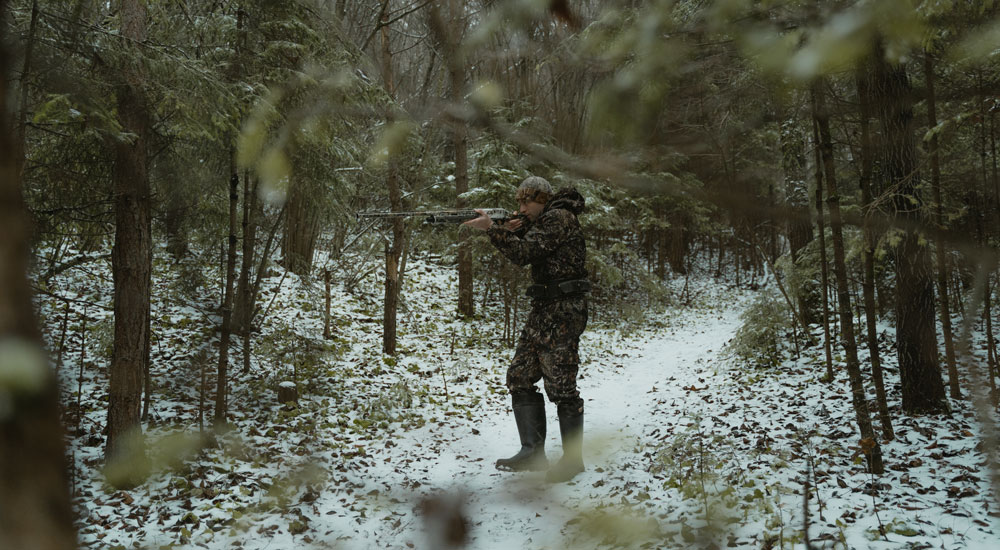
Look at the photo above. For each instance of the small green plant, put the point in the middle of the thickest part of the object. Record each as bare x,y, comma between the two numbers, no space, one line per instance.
696,465
391,406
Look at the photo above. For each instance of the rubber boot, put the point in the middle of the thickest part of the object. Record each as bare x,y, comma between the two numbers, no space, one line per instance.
529,414
571,463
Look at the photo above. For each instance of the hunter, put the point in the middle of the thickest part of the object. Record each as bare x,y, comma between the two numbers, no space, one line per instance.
548,237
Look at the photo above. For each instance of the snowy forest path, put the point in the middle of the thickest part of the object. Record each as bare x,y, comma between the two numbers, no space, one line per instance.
635,390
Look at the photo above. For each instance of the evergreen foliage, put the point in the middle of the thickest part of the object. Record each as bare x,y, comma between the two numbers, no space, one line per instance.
693,129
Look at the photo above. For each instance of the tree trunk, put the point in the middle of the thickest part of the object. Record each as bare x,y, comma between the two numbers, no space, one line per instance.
868,255
21,139
456,72
130,269
942,257
34,486
869,442
678,244
393,251
244,301
174,219
243,306
991,355
449,34
916,342
299,241
221,383
821,233
245,294
326,304
660,236
147,378
255,286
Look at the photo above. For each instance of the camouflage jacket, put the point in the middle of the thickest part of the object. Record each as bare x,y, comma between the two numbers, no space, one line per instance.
553,244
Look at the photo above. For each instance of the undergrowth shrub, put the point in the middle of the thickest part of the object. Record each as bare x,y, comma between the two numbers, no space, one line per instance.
763,338
711,474
693,462
392,405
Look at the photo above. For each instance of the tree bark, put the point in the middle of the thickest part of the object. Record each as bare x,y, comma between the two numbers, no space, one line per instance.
20,156
299,241
34,482
868,255
677,248
449,35
221,383
393,251
991,355
460,142
244,302
821,234
131,267
942,257
326,304
869,442
916,342
255,286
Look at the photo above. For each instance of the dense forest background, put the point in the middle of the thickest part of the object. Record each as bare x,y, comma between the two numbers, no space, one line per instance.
841,154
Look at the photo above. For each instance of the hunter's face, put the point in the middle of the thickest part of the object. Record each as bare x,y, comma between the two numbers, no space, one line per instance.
531,209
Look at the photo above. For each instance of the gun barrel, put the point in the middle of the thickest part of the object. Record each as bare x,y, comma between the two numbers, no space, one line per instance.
438,216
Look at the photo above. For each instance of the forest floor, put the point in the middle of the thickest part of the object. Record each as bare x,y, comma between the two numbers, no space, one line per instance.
684,447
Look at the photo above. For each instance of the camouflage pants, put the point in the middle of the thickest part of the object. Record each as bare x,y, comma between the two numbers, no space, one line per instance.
548,349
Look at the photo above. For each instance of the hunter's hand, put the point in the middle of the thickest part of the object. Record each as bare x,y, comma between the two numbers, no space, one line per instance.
513,224
482,223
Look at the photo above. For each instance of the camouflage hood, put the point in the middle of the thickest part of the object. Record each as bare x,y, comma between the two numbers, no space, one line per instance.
553,245
567,198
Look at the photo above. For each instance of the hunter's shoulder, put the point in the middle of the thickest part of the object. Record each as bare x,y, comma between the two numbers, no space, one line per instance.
557,216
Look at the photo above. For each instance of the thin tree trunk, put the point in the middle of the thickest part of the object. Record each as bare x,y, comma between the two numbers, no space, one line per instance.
991,354
130,269
221,383
35,507
147,378
869,441
868,256
456,72
660,235
261,267
245,298
393,251
243,306
449,35
821,234
20,156
942,257
326,304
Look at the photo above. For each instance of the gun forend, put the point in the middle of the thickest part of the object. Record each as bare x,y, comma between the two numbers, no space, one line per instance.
459,216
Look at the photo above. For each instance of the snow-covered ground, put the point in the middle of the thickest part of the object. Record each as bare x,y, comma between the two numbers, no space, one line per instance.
683,448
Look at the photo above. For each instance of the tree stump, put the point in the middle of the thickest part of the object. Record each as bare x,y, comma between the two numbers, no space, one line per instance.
288,393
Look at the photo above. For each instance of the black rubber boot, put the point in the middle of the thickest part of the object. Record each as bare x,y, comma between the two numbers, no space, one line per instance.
529,414
571,463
